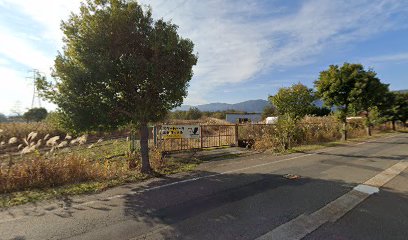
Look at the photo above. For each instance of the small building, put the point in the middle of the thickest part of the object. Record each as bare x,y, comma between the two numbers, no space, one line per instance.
243,118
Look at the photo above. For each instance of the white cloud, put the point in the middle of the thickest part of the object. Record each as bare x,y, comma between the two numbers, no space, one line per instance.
19,90
398,57
16,87
237,40
38,49
320,25
23,51
47,13
29,50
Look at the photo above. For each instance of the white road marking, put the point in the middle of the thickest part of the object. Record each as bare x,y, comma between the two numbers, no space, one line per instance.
299,227
192,180
366,189
246,168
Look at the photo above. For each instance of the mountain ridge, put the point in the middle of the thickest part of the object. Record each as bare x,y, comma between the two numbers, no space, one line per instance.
255,106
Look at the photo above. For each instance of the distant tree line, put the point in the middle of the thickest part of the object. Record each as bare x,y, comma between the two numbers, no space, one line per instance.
31,115
270,110
194,113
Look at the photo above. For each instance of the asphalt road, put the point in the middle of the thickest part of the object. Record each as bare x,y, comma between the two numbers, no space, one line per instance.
347,192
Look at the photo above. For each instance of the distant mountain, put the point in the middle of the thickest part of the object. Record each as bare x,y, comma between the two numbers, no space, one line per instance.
254,106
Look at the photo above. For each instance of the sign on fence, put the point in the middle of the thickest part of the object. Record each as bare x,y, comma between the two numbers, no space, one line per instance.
179,131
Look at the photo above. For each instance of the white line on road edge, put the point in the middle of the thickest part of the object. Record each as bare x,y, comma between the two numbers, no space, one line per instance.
222,173
238,170
366,189
194,179
304,224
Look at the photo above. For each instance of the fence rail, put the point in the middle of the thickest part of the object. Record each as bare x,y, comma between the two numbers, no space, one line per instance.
210,136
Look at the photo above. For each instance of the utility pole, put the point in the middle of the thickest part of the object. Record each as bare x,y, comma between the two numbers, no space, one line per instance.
35,74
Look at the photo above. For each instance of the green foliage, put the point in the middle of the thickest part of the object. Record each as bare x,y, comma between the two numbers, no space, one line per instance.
294,101
220,115
287,131
59,121
319,111
374,117
369,93
178,114
337,86
119,65
352,89
269,111
193,114
35,114
400,107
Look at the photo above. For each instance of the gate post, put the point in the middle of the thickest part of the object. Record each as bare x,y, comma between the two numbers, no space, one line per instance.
236,135
219,136
201,136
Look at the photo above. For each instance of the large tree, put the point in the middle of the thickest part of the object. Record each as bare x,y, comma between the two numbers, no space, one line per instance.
351,89
402,111
120,66
398,109
294,101
369,94
336,85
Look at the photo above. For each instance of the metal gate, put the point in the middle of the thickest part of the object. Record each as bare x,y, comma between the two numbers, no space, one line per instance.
210,136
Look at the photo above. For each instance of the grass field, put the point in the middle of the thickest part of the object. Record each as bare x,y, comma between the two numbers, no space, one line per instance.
98,165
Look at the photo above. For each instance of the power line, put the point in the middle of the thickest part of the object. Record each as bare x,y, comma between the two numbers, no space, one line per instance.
35,75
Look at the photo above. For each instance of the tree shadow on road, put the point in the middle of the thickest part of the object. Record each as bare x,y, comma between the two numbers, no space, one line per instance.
209,205
236,205
227,206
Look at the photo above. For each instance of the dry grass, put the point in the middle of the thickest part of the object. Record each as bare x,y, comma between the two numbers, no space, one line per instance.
47,172
21,130
51,172
310,130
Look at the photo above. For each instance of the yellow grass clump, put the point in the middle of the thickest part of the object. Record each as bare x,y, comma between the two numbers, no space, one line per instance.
309,130
51,172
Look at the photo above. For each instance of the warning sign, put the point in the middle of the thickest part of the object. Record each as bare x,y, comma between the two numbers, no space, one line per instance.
179,131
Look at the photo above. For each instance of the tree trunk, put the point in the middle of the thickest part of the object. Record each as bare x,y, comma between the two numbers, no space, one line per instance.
144,148
368,126
368,129
393,125
344,131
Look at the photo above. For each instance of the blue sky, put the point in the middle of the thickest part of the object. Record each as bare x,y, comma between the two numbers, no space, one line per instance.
247,49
